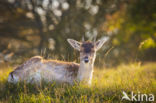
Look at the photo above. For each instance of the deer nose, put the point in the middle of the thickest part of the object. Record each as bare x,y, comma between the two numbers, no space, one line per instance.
86,60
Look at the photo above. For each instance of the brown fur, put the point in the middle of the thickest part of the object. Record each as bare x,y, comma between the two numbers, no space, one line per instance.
70,66
32,60
87,47
73,68
25,66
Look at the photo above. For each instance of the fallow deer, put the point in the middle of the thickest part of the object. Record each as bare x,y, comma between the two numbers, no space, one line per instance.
36,68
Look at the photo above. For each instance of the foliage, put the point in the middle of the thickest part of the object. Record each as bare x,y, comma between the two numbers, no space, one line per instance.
148,43
134,29
41,27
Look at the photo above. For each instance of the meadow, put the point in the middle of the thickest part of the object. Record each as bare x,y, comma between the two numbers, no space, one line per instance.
107,86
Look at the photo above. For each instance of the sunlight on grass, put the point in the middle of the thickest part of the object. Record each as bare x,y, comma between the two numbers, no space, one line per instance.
107,86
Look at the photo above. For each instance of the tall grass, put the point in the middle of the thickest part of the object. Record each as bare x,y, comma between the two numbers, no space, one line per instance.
107,86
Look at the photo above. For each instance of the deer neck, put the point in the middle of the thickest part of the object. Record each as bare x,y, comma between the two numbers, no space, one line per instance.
85,72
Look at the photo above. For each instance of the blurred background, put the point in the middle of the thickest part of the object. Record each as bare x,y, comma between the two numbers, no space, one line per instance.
41,27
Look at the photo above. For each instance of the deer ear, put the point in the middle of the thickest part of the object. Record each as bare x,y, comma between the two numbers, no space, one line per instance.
75,44
99,43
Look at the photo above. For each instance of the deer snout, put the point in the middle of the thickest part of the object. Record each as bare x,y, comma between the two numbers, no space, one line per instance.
86,60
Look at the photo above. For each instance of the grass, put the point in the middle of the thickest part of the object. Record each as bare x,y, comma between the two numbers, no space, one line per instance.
107,86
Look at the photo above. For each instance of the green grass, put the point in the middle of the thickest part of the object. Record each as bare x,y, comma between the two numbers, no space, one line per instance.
107,86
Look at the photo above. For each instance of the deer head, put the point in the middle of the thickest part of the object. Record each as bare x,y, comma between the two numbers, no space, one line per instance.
87,49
